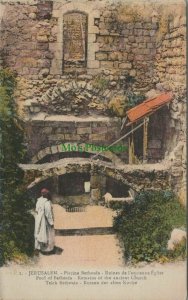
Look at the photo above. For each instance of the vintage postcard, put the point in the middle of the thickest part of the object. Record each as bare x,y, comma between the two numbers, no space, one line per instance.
93,150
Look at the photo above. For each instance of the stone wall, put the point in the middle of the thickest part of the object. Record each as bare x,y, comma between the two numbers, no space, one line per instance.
124,39
131,46
43,133
122,42
32,44
170,72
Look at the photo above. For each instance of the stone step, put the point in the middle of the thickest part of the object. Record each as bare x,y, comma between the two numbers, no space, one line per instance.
85,231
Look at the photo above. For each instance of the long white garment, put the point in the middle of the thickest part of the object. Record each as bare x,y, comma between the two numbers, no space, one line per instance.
44,232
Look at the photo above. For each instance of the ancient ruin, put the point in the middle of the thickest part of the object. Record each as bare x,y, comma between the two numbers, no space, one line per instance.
83,68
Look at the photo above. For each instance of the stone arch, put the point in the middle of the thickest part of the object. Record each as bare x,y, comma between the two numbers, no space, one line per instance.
59,168
59,149
74,94
137,177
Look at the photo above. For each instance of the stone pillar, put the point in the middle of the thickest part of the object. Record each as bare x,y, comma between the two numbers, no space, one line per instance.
56,185
98,185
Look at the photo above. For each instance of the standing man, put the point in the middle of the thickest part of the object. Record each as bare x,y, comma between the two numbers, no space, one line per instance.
44,224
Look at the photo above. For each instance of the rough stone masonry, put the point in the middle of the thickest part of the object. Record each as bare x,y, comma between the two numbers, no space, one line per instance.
116,46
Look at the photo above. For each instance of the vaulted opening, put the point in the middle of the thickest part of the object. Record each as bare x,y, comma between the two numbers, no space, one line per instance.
73,184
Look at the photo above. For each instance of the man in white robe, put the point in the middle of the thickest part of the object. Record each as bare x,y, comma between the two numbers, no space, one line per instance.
44,223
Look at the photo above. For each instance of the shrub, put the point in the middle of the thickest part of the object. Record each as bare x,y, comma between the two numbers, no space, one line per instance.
117,205
145,225
134,99
119,104
100,82
16,229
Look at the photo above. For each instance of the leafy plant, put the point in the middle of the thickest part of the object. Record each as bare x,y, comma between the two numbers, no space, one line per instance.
134,99
100,82
119,104
145,225
117,205
16,228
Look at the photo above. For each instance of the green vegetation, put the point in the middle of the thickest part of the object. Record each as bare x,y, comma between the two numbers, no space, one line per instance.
16,228
144,226
134,99
119,104
100,82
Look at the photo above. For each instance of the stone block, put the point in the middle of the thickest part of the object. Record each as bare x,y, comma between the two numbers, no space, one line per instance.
150,45
44,72
99,130
145,51
93,29
183,20
56,13
42,46
125,32
146,32
115,56
97,137
42,38
59,136
56,67
130,57
152,32
176,171
125,56
93,64
91,38
138,32
131,39
101,56
54,149
132,73
83,130
142,45
176,22
32,16
138,25
72,137
107,14
130,26
106,64
104,32
126,66
47,130
116,65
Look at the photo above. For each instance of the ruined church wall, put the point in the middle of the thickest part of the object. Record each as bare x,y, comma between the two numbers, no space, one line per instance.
32,45
170,71
137,41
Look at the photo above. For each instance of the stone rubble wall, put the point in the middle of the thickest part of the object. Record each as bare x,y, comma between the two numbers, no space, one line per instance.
122,43
170,71
133,46
78,96
32,42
